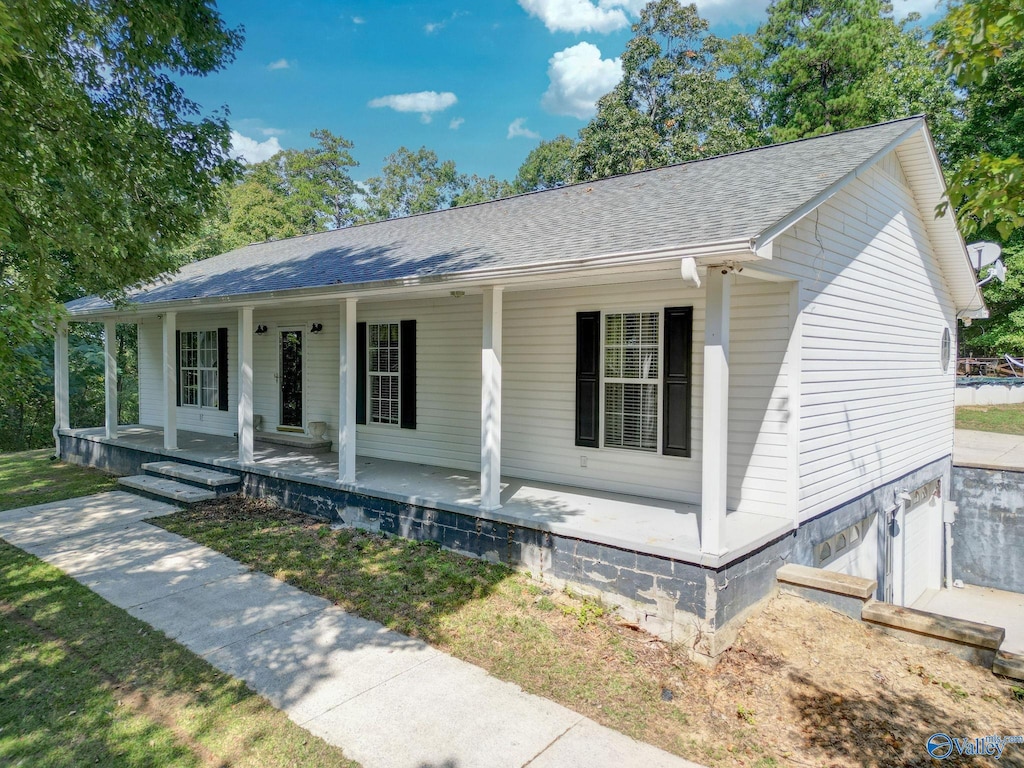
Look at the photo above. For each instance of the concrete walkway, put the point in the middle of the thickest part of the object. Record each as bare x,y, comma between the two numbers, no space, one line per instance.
387,700
988,450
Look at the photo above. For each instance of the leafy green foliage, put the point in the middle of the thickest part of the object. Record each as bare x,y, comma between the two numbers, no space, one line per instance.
105,165
549,164
1003,331
411,182
476,189
831,65
980,44
674,102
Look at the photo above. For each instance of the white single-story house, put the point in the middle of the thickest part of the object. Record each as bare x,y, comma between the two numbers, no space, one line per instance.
660,386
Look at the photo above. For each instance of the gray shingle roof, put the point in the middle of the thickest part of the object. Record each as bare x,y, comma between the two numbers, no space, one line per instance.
727,198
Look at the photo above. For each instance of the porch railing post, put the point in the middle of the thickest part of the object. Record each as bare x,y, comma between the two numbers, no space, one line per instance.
490,401
170,381
61,399
245,420
715,447
110,375
348,366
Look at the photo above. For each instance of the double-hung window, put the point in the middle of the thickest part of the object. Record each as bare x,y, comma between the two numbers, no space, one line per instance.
384,367
631,380
200,375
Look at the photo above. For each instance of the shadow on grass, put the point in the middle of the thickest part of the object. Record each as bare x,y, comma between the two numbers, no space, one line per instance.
84,683
406,585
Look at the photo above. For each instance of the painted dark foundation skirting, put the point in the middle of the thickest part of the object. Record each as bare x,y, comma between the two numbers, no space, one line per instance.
677,600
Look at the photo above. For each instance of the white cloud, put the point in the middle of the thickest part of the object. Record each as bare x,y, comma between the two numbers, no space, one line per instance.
432,27
279,64
456,123
424,102
517,128
577,15
251,151
358,20
579,77
272,131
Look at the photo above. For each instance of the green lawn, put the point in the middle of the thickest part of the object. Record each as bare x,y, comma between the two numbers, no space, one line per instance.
31,477
1006,419
84,683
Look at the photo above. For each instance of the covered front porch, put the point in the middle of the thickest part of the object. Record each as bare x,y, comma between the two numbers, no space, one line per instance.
649,526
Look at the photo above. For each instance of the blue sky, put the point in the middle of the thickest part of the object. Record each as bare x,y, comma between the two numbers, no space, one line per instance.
479,83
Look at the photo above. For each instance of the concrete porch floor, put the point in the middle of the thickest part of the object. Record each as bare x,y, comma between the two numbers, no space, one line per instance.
984,605
653,526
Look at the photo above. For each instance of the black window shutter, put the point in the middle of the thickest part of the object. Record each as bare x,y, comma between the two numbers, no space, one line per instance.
177,365
361,373
678,380
407,375
588,378
222,367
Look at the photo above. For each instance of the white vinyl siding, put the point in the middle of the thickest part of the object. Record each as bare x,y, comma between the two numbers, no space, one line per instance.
448,339
319,364
151,365
875,401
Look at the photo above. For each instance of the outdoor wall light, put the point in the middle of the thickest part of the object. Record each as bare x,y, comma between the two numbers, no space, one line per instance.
316,327
260,330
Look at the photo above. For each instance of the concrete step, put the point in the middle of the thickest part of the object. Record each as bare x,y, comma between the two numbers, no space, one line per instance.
166,489
221,483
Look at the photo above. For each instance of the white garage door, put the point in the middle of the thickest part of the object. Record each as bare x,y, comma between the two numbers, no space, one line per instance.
921,546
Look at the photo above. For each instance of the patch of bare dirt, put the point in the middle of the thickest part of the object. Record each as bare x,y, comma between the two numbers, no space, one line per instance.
817,688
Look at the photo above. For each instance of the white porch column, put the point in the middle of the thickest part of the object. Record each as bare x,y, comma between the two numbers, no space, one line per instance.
490,402
110,374
61,399
170,382
348,365
715,447
245,426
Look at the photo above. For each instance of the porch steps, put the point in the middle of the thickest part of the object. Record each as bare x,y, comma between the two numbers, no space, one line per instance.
201,477
166,489
183,484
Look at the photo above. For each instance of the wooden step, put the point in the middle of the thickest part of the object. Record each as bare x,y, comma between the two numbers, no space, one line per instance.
166,489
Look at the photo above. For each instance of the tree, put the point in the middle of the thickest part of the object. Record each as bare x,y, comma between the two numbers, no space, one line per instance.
980,44
831,65
319,178
549,164
105,164
675,102
477,189
411,182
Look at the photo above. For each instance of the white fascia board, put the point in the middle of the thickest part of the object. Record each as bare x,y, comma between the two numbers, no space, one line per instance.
833,189
972,302
733,250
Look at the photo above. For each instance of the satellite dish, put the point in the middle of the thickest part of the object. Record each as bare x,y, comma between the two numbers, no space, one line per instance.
983,254
996,272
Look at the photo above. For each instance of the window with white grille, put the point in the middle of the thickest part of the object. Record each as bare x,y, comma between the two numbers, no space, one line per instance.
199,373
631,380
383,367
